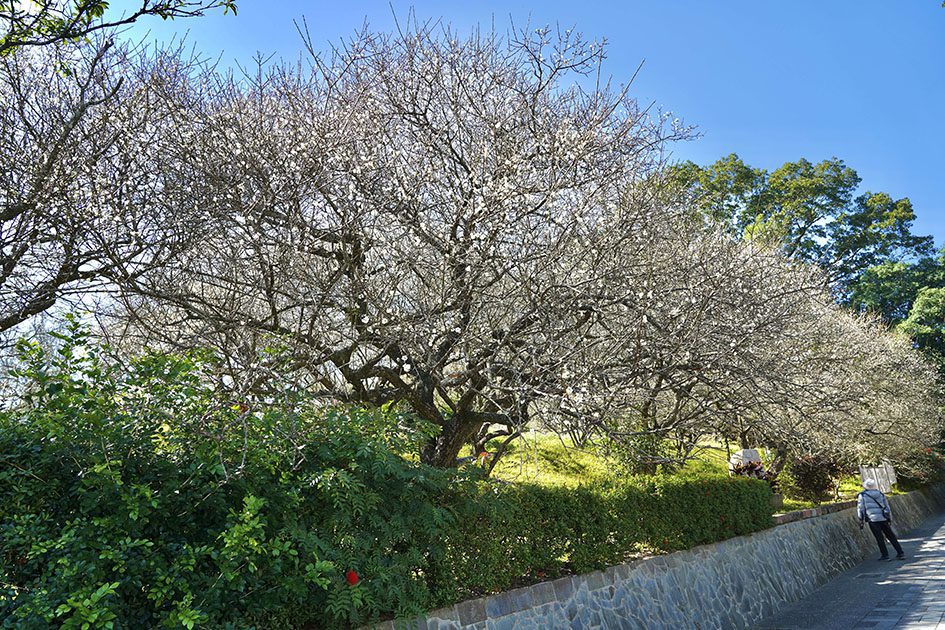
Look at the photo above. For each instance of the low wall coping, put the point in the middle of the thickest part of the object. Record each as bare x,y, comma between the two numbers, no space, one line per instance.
799,515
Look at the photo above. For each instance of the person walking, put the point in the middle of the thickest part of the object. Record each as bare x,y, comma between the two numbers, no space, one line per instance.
873,508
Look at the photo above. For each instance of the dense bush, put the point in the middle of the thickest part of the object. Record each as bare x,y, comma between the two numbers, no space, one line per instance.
135,496
810,478
505,534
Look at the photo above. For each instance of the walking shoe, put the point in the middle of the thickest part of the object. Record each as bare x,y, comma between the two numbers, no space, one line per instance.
884,558
901,556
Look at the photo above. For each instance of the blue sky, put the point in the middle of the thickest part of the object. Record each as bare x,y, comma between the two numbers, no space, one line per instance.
772,81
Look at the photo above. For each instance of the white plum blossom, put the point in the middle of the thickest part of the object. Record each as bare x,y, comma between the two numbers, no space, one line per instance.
509,221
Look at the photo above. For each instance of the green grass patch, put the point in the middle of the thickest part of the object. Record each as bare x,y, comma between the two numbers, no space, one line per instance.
711,458
546,460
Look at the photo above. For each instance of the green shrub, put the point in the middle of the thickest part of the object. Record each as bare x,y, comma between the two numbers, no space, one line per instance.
643,453
810,478
134,497
920,469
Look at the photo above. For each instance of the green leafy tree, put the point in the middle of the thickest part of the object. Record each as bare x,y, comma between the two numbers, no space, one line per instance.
811,210
890,289
926,324
724,190
911,298
45,22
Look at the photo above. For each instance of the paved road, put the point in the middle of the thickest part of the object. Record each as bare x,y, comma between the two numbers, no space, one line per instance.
880,595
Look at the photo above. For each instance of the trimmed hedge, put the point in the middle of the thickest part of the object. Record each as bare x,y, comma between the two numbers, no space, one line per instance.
506,535
134,496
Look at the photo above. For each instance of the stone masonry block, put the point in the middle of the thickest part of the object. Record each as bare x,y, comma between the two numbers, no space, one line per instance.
595,580
445,614
471,611
614,575
543,593
564,588
508,602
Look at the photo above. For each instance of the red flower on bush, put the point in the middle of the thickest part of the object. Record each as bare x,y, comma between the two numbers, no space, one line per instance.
351,577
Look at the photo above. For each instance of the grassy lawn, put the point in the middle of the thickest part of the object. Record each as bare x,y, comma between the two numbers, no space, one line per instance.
546,459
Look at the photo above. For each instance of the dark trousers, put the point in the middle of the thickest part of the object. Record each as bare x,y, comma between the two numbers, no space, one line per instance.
880,528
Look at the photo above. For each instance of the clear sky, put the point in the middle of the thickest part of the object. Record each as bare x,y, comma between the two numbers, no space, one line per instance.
862,80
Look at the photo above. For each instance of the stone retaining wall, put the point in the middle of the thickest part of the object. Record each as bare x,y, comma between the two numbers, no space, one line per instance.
731,584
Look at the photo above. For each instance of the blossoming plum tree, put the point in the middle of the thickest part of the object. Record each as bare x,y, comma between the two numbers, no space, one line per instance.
78,121
477,228
406,217
77,191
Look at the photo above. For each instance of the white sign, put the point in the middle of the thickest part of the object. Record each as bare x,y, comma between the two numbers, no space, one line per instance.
884,475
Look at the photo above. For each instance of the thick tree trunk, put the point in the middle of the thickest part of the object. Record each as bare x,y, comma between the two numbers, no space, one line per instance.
443,450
